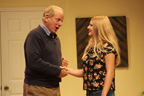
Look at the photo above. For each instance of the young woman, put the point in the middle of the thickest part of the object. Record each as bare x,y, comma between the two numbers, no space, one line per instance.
100,57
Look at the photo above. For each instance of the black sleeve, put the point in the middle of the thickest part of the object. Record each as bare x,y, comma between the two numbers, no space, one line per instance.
108,48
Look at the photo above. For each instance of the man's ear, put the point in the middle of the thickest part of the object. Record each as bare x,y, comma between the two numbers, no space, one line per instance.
46,17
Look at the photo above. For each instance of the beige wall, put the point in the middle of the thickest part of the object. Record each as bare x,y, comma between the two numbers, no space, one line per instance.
129,81
0,56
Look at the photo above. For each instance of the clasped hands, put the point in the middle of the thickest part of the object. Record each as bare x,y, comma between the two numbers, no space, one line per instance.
64,72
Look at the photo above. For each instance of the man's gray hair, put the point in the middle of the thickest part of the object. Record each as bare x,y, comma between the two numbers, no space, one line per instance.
50,11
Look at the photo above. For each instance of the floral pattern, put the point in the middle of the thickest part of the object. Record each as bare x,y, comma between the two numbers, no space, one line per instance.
94,68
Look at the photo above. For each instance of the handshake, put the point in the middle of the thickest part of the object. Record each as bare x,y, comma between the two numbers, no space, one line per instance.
64,71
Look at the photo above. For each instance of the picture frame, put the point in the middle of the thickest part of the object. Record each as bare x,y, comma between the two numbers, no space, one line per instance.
120,28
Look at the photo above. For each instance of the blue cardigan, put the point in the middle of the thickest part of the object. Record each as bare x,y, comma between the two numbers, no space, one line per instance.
42,58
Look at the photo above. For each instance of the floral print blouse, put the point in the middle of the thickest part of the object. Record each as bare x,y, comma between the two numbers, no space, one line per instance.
94,68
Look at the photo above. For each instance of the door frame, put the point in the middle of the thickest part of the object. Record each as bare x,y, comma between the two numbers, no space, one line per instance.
18,9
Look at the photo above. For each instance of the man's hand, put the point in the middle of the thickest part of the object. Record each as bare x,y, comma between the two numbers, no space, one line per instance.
63,72
64,62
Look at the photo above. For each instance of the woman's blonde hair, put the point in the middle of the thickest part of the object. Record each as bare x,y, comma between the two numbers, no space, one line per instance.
104,32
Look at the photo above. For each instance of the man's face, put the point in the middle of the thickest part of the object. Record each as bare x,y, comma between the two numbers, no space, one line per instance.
55,22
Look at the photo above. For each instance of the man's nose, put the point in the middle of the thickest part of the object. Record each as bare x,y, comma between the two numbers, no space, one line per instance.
60,23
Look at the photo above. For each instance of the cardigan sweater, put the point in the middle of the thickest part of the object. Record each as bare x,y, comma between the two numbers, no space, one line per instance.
42,58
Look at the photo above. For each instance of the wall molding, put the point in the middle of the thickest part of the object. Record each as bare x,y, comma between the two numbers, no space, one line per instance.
22,9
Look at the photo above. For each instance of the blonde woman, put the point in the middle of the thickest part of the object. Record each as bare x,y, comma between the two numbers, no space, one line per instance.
100,57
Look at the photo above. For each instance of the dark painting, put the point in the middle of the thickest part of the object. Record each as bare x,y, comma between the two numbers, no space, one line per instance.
119,26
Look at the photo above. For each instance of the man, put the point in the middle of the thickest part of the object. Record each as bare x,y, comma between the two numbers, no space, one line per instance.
43,56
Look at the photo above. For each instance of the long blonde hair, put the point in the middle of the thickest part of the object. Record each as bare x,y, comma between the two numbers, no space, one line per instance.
104,32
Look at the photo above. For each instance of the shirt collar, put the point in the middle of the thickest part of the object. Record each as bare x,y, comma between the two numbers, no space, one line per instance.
45,29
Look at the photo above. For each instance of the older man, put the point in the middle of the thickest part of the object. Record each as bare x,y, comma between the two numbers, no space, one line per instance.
43,56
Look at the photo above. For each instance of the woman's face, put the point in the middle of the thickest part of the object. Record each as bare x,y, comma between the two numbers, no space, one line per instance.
91,29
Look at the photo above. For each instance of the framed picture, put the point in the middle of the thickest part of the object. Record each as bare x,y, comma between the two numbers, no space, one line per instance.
119,26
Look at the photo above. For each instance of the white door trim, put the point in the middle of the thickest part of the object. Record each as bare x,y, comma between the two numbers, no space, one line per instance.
22,9
15,9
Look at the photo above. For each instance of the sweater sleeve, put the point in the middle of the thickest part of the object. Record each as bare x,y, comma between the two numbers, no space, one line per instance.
33,53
